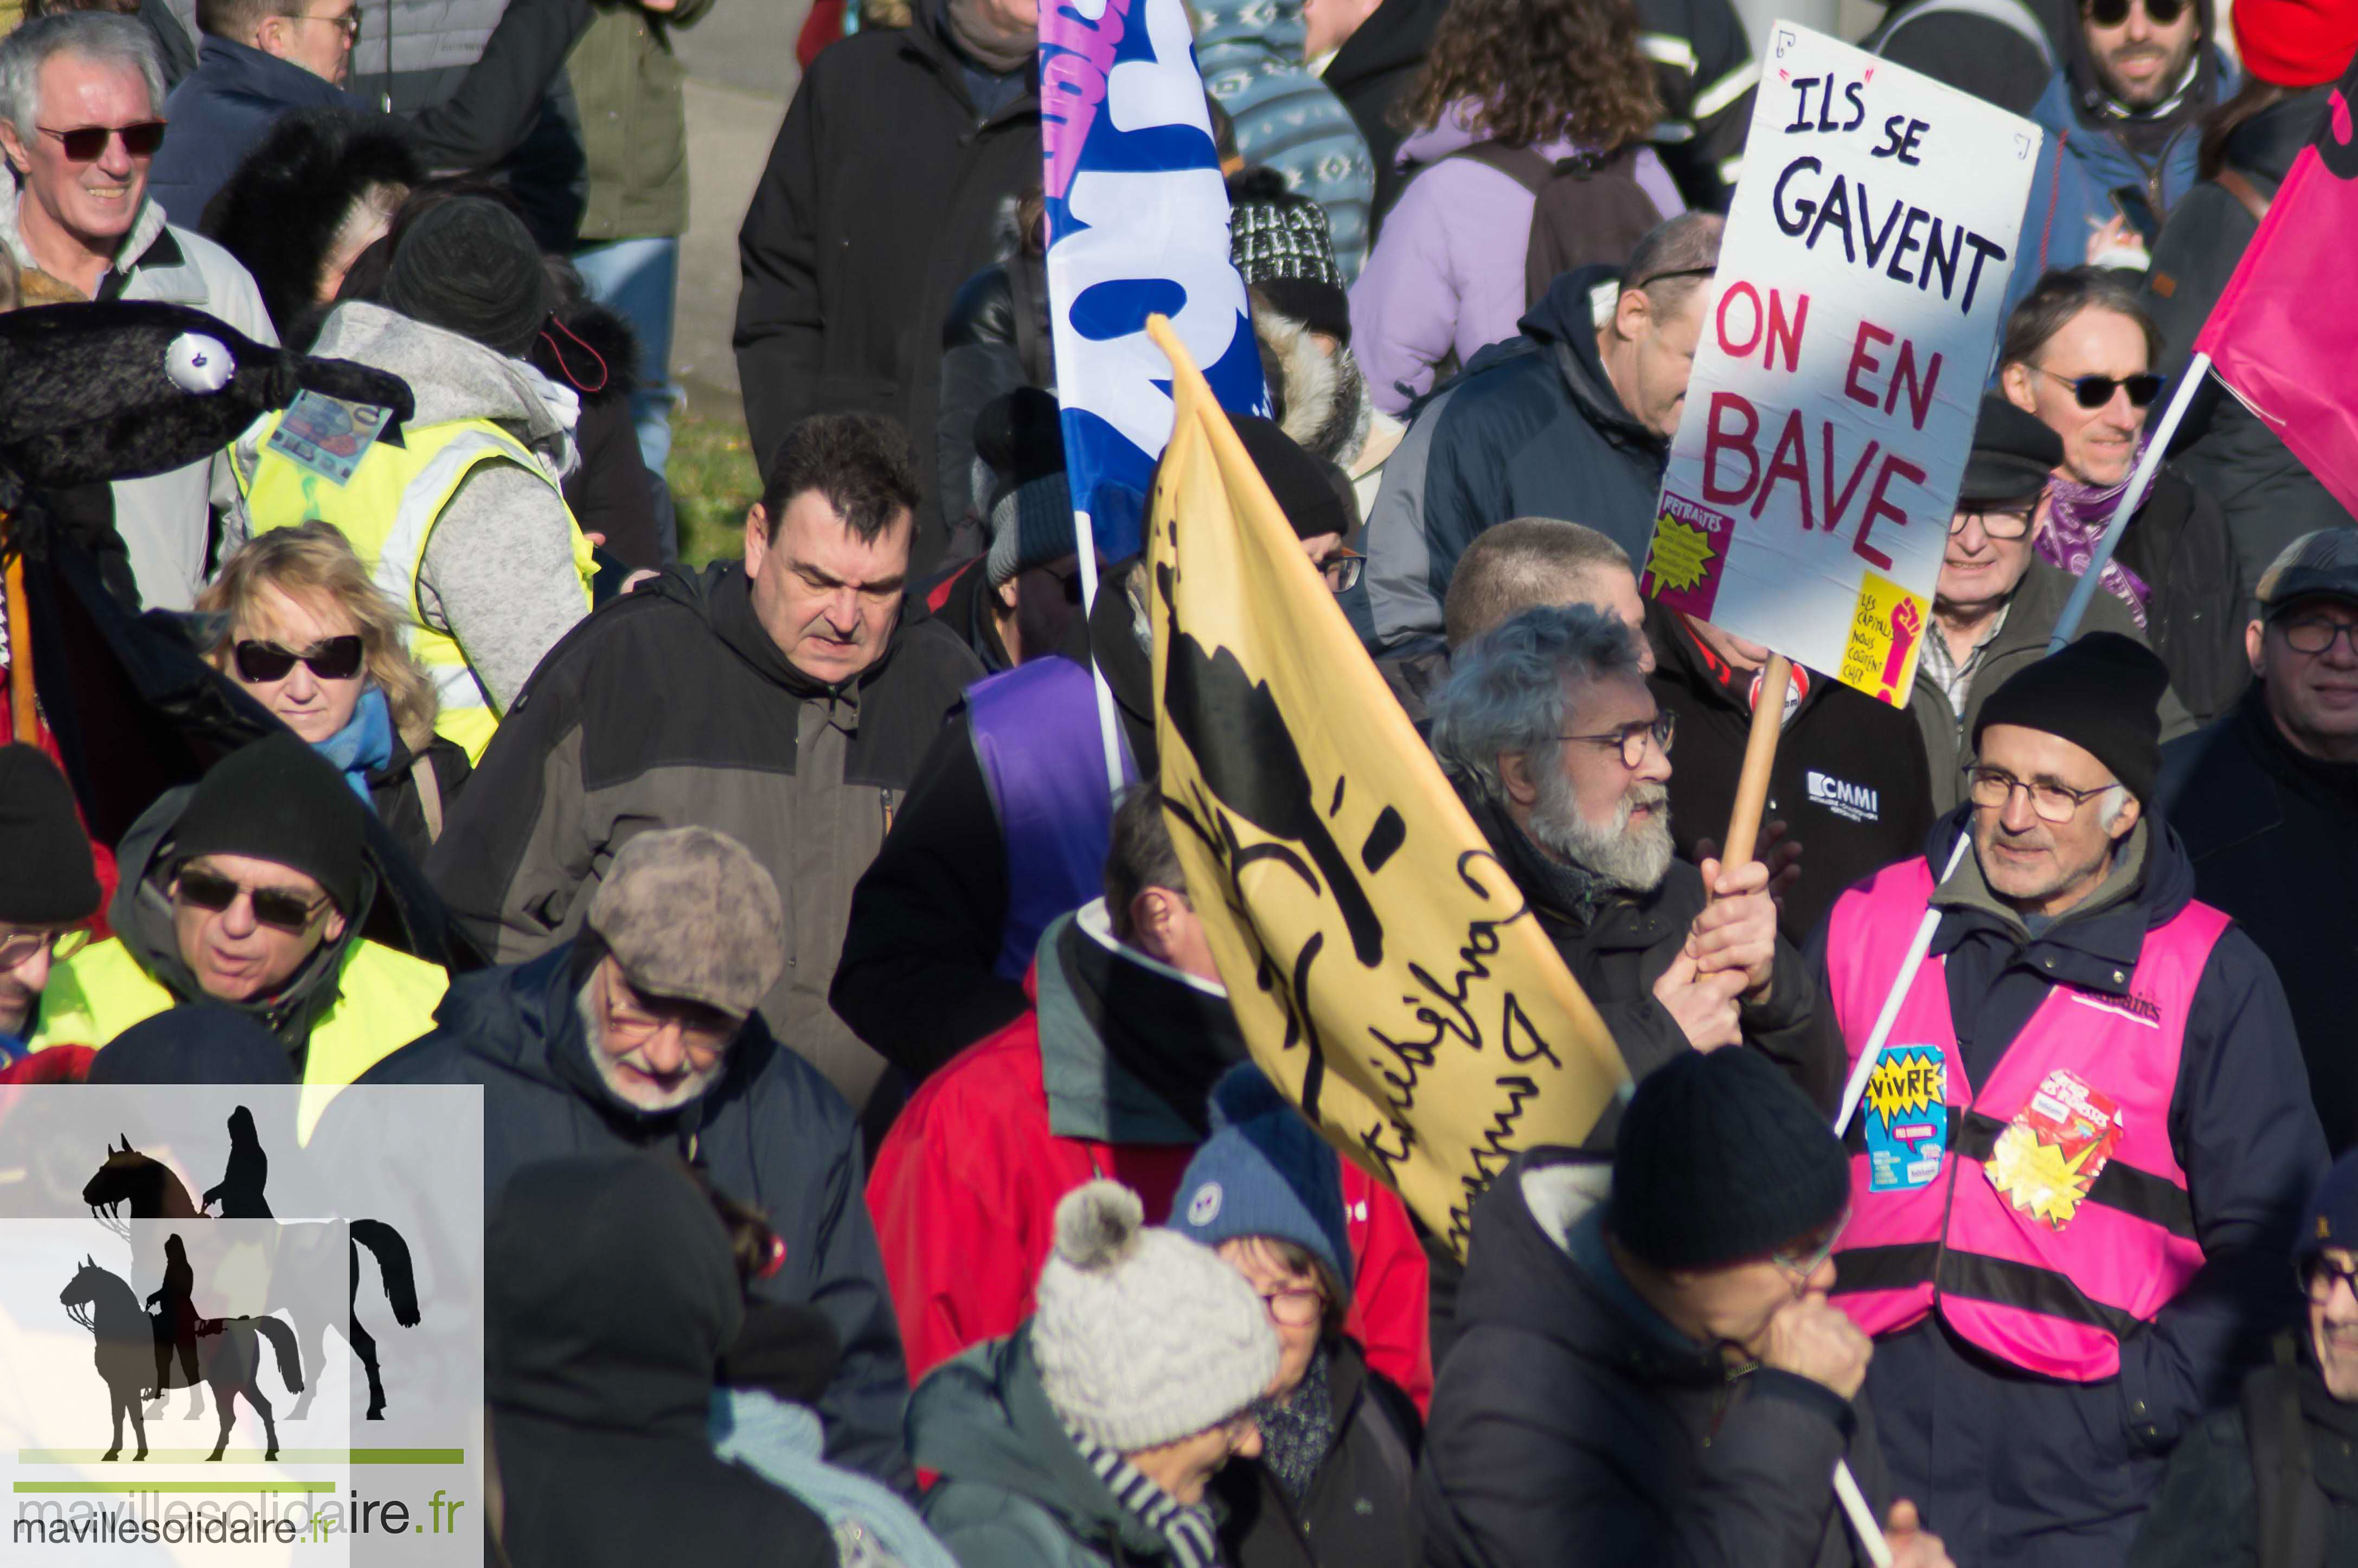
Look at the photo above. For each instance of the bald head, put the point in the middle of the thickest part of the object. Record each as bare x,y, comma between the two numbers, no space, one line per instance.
1531,561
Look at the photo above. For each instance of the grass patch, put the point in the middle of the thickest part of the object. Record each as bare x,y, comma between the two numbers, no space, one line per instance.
713,480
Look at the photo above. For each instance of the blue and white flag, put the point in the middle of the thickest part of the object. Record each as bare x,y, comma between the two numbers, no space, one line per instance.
1138,223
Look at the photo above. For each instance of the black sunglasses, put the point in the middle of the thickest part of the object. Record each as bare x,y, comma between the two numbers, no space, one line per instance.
275,907
2112,13
87,144
338,659
2096,391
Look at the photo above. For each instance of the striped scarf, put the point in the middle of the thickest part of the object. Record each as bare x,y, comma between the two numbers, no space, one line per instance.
1188,1530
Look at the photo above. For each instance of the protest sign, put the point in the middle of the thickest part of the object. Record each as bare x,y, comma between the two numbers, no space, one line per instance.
1137,224
1855,314
1385,970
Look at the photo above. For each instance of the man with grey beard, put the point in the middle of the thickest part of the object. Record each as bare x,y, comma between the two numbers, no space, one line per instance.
644,1032
1553,738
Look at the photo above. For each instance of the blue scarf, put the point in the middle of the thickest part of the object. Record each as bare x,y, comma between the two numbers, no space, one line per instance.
364,744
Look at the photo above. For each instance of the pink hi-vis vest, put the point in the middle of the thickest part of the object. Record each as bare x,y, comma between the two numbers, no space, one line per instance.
1935,1232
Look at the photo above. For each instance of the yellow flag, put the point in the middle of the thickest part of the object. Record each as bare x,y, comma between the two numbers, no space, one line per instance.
1386,972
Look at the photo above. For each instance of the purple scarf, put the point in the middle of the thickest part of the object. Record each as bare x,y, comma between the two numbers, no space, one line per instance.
2077,514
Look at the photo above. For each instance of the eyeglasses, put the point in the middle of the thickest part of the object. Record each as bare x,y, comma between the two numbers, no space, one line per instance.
1994,525
632,1020
2312,636
2096,391
2112,13
1632,738
87,144
1342,569
337,658
2319,1277
1296,1308
281,909
1991,788
1802,1265
350,23
19,945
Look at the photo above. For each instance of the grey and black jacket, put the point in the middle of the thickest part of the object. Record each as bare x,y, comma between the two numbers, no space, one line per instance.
672,707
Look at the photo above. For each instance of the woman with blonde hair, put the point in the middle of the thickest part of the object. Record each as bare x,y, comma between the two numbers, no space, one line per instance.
308,635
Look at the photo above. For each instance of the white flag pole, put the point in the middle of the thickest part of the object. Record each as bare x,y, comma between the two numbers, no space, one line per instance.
1085,550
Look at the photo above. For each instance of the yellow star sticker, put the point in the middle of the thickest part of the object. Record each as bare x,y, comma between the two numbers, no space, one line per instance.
1680,555
2035,1177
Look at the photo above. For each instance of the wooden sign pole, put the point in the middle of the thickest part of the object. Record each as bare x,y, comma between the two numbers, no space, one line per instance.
1759,755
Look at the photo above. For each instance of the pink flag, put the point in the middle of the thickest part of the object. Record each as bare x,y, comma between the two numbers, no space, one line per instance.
2284,332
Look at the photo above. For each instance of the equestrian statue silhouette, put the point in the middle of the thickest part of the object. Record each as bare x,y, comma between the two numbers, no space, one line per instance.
223,1352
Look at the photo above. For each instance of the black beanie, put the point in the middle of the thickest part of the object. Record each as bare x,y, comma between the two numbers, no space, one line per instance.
1720,1158
469,265
2102,693
1305,494
204,1043
278,800
50,879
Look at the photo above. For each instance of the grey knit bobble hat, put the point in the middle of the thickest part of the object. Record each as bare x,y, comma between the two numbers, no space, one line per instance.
1142,1336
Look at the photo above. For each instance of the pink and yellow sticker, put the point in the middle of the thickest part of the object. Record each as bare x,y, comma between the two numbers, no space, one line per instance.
1684,561
1887,628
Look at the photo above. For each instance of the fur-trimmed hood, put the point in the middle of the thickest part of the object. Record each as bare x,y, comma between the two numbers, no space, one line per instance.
1322,399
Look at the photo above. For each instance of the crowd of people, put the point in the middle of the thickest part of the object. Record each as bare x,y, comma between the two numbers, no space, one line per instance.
783,911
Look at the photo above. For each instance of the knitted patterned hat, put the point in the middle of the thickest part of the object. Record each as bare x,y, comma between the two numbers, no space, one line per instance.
1142,1336
1280,244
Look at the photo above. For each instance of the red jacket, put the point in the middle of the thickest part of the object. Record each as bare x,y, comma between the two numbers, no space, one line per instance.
964,1198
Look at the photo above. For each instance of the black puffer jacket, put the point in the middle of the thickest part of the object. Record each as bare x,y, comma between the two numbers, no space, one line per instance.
2267,497
1567,1429
613,1296
1356,1515
883,195
994,340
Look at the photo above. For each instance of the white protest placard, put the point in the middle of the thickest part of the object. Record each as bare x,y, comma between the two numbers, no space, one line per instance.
1856,308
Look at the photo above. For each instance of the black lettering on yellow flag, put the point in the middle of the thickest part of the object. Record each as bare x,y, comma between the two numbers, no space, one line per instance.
1387,973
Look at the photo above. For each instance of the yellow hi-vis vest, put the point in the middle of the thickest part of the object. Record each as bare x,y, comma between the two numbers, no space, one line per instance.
391,503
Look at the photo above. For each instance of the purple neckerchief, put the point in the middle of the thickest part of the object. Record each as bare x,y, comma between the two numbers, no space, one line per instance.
2076,515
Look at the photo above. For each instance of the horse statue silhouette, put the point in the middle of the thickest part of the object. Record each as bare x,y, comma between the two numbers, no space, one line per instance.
131,1345
153,1191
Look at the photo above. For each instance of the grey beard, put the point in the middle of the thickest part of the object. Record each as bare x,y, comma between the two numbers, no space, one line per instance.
1634,860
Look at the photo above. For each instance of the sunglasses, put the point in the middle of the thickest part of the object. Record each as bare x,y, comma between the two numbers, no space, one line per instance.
2096,391
2112,13
258,663
87,144
17,947
281,909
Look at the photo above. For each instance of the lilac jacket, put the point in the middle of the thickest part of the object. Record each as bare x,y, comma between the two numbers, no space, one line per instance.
1447,270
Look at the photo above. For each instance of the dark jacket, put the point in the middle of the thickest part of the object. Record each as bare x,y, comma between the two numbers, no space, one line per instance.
2010,1468
1850,780
219,114
598,1370
399,798
2030,618
1356,1512
1618,953
2178,544
916,980
1705,76
1014,1491
994,340
595,351
770,1133
2269,1482
2268,498
1376,68
672,706
1532,428
2273,835
882,198
1570,1424
628,85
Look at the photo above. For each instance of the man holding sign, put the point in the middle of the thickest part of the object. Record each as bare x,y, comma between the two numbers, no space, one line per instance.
2080,1152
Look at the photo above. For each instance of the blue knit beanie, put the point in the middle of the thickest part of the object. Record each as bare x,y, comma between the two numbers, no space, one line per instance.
2333,1217
1264,1172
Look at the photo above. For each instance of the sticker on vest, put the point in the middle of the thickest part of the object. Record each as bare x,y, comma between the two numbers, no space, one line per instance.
2052,1151
1906,1121
327,435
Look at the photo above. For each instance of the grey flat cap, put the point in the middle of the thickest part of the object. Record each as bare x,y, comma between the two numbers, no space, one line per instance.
691,915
